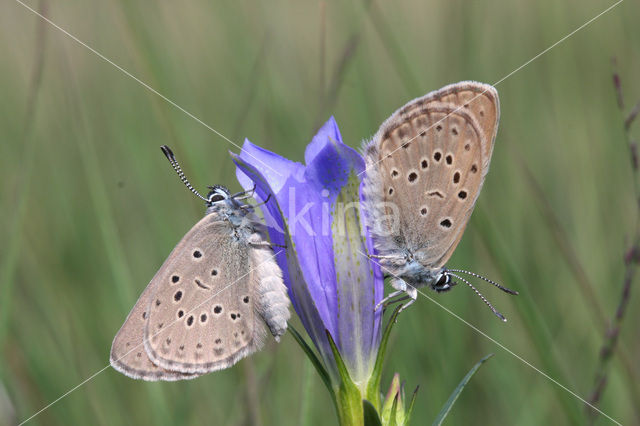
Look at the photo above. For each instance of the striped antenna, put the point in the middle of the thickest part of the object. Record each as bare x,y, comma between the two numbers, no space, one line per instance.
498,314
473,274
174,163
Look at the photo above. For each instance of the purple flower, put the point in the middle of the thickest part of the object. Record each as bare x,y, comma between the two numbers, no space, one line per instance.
313,211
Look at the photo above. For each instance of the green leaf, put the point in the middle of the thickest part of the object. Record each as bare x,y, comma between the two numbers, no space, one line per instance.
407,416
391,399
394,411
371,417
322,372
373,387
456,393
342,368
348,397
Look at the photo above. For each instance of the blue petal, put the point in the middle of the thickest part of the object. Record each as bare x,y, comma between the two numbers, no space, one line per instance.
274,168
328,132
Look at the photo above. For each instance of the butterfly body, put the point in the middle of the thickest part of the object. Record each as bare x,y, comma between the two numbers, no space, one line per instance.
424,170
206,307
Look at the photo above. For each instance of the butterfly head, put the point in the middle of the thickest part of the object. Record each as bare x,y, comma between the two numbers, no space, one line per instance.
442,281
217,194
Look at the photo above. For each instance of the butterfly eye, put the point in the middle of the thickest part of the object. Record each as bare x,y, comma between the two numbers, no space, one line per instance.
216,197
443,280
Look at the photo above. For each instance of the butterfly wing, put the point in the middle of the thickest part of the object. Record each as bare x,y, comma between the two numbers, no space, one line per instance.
201,315
128,355
429,159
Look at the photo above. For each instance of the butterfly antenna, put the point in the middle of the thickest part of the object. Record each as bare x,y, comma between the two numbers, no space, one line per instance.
484,299
473,274
174,163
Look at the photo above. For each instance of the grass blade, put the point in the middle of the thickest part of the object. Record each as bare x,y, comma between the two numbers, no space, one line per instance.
456,393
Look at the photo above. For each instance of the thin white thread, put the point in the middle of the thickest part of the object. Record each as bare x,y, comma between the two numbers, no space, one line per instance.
140,344
231,142
500,345
145,85
507,76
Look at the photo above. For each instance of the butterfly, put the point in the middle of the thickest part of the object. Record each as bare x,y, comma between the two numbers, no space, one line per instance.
205,309
424,170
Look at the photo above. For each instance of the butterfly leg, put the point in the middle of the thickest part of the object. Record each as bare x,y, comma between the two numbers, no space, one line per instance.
266,244
378,256
398,300
387,299
412,293
242,195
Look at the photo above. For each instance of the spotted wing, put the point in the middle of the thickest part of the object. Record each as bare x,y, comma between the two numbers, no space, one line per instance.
128,355
201,316
429,159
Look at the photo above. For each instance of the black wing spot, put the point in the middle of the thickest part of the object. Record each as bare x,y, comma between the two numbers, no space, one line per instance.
437,156
449,159
233,316
199,345
144,315
454,131
177,296
180,313
424,164
435,194
214,272
474,169
438,127
199,284
218,341
446,223
390,190
394,173
412,176
423,211
157,302
456,177
467,147
481,113
246,299
190,321
175,279
197,254
203,318
217,309
462,195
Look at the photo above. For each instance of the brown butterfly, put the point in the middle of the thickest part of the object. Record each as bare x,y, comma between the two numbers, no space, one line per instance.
206,307
424,170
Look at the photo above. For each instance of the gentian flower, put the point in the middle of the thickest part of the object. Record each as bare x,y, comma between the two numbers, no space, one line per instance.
312,212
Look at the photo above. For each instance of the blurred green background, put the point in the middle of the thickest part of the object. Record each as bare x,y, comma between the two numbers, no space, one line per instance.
90,208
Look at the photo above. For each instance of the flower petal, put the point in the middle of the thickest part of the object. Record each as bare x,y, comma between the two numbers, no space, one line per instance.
328,132
274,168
